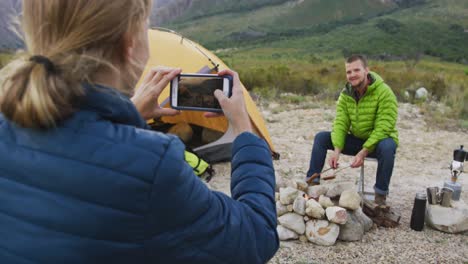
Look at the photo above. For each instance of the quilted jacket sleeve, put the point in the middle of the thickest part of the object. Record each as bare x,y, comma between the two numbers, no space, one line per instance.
341,123
192,224
385,121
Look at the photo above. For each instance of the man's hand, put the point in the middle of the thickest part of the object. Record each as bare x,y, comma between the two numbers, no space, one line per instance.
333,161
146,96
359,158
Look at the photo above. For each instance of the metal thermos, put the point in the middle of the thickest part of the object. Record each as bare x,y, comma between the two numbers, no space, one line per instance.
446,197
456,187
419,212
433,195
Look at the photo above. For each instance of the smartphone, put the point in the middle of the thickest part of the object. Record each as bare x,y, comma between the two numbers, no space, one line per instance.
196,91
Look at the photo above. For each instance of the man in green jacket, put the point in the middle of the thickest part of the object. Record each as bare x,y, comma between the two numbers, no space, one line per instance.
365,126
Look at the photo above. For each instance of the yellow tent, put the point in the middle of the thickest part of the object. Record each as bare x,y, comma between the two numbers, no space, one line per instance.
168,48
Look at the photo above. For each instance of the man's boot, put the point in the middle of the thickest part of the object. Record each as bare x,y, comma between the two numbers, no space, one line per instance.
380,199
314,179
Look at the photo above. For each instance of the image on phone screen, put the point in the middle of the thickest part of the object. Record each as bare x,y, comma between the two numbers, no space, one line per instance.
198,92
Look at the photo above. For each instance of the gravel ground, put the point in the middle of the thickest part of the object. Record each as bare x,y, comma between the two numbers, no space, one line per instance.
422,160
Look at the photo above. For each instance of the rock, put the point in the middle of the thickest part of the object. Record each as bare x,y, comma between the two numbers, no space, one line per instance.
286,234
358,223
306,218
350,199
299,205
314,209
448,219
336,189
291,183
183,130
302,185
322,232
421,94
336,215
293,222
277,196
300,193
287,195
210,135
290,207
406,96
353,230
363,219
325,201
280,183
316,191
281,209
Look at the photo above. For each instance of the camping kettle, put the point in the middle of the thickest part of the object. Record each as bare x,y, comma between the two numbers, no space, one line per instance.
456,168
460,154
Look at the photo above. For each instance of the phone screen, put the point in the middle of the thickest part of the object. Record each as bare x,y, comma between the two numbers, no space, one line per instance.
195,91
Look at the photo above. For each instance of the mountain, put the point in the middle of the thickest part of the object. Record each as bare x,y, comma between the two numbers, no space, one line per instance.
9,9
304,28
185,10
167,11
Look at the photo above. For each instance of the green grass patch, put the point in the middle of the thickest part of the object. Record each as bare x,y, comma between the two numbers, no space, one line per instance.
464,124
293,98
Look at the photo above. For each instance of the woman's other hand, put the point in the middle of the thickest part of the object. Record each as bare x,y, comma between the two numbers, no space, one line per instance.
146,96
234,107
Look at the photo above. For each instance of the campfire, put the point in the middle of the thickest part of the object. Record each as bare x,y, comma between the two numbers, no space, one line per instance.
320,214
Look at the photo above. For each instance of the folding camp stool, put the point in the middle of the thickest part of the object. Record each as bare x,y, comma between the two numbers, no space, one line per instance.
361,188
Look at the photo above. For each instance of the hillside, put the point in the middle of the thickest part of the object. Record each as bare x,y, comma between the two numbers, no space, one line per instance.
166,11
382,29
276,19
390,29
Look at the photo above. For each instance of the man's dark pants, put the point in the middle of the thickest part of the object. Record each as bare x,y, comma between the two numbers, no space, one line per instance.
384,153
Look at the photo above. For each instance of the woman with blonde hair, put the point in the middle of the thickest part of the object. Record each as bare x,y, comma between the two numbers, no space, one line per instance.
83,179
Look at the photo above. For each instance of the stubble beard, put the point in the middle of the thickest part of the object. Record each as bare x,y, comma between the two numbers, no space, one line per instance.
360,85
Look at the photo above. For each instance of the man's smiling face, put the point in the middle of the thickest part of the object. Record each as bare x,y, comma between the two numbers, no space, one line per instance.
356,73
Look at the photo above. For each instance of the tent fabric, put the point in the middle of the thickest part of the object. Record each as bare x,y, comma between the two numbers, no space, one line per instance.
170,49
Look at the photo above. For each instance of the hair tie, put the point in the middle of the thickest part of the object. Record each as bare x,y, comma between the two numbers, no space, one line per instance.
49,66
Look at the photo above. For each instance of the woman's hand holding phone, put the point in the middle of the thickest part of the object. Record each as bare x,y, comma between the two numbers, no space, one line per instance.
146,96
234,107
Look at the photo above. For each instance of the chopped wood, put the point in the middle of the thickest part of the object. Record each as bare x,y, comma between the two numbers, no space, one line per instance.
381,215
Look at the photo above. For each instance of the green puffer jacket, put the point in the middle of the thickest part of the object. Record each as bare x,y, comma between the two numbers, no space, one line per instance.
372,118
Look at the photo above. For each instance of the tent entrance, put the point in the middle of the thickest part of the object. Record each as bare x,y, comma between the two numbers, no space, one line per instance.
213,146
173,50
